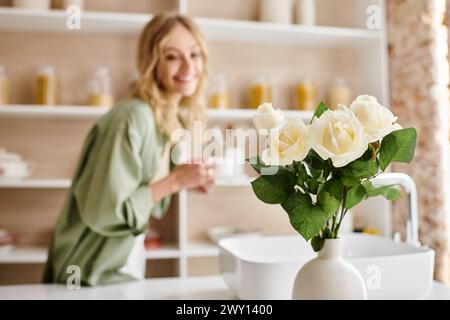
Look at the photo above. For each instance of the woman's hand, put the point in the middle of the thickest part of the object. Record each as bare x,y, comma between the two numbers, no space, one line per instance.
198,177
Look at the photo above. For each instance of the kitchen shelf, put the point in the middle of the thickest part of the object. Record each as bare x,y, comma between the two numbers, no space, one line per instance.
24,255
202,249
247,114
234,182
66,183
39,255
214,115
35,111
36,184
168,251
13,19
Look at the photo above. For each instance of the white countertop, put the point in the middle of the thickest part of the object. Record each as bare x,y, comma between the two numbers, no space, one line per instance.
193,288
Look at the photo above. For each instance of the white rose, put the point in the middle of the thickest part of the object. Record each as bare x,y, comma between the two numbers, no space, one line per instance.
288,142
338,135
377,120
266,117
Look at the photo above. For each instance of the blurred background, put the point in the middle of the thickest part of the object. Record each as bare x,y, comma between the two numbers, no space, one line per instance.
64,63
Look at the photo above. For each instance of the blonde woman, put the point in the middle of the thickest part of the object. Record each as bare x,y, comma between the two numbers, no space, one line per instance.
115,189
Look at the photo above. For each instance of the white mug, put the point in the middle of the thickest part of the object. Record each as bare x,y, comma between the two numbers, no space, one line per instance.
230,165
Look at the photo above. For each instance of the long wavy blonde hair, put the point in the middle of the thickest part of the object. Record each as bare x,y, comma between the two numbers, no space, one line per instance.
169,115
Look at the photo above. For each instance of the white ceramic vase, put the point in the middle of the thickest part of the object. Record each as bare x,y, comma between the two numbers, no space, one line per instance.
329,277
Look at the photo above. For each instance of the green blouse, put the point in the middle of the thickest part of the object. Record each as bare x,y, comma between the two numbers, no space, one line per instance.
109,202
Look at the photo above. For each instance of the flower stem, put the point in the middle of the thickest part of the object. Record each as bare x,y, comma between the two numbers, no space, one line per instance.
342,215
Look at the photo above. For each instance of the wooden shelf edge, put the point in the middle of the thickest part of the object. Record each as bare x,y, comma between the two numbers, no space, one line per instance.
30,255
201,249
13,19
214,115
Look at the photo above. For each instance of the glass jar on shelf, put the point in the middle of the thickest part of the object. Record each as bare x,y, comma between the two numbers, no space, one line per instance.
260,92
152,239
47,90
276,11
67,3
305,12
32,4
219,97
4,86
339,94
306,95
100,89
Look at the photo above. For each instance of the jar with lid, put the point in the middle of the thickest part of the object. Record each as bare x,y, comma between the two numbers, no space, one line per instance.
32,4
47,91
4,86
339,94
260,92
68,3
306,95
305,12
219,97
277,11
100,89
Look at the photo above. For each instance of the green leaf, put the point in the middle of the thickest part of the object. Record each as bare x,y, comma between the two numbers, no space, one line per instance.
326,170
366,189
314,160
309,181
390,192
354,196
269,192
360,169
308,218
349,181
330,196
283,177
367,155
302,175
293,201
257,164
321,108
315,173
313,185
276,188
327,234
398,146
317,243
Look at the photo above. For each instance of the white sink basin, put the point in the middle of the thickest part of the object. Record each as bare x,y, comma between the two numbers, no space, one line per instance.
265,267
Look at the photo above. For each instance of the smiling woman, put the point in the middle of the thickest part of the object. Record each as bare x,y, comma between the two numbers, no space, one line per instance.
116,186
179,70
173,67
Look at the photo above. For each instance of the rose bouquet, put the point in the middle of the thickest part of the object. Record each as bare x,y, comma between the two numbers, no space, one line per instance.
318,171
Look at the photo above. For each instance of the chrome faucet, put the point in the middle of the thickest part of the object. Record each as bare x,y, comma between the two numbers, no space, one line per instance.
409,186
